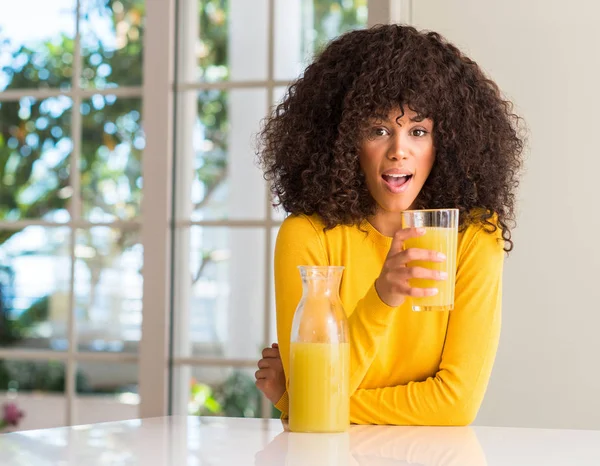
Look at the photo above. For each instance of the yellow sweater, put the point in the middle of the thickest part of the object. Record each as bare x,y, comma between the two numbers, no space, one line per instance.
407,368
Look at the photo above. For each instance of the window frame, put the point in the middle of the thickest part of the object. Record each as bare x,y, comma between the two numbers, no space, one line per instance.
157,223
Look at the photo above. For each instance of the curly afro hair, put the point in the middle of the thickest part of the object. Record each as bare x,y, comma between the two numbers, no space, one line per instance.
309,144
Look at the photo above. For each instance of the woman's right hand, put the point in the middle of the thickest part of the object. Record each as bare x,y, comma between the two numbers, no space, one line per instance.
392,284
270,378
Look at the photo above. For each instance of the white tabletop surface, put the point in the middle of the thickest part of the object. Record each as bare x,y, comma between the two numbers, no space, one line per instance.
238,442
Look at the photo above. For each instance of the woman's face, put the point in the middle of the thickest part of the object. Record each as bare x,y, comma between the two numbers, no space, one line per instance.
396,156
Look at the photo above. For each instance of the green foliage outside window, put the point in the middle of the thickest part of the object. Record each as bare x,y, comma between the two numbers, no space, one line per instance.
35,145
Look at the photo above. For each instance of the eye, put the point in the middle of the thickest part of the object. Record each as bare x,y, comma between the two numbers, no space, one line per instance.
419,132
379,131
375,132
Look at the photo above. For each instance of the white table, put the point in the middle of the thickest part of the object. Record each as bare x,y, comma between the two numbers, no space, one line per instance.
179,441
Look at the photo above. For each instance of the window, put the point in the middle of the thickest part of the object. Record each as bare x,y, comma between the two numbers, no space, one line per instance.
230,72
87,144
70,152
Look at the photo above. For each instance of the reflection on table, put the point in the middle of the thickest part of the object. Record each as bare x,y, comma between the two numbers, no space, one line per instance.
376,445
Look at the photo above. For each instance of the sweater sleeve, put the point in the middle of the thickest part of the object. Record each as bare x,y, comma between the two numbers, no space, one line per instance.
454,394
299,242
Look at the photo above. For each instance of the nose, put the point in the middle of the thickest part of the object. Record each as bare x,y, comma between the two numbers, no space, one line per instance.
398,149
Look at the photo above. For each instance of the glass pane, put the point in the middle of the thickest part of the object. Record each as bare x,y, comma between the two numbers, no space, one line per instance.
218,391
217,42
303,27
222,292
36,44
35,145
277,212
112,145
278,94
108,289
37,389
218,176
35,271
106,392
112,34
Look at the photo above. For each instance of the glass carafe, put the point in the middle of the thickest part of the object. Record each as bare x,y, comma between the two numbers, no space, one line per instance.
319,355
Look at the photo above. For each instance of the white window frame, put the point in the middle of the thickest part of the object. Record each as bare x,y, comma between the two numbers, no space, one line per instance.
156,222
72,356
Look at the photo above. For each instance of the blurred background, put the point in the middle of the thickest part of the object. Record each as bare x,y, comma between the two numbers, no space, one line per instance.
72,145
136,232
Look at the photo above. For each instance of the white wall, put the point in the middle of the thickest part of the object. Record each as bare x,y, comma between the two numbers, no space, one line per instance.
545,55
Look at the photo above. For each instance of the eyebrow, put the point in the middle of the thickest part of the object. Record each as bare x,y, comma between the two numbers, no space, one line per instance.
381,116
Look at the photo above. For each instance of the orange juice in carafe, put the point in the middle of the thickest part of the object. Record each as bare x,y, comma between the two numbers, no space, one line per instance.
319,378
319,399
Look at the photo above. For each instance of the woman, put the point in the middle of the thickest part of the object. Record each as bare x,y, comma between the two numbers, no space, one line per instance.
389,119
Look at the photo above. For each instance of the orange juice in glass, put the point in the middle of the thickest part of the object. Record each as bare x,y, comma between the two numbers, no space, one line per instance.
441,235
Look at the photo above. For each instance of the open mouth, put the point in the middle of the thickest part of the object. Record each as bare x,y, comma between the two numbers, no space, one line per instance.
397,183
